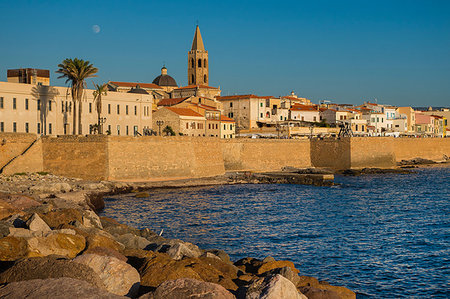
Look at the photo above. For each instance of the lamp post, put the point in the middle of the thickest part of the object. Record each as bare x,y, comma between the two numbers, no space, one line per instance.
101,121
159,123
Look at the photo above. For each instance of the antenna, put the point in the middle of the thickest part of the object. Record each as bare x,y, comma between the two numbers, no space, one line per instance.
196,22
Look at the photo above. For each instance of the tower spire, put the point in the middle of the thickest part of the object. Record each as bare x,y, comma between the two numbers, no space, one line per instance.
197,43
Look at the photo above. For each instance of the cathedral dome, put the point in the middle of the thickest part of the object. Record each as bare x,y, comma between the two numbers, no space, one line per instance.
164,79
138,89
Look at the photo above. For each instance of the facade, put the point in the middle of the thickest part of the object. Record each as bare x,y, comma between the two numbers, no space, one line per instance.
29,76
198,64
47,110
424,124
307,113
410,115
165,81
196,91
228,127
183,121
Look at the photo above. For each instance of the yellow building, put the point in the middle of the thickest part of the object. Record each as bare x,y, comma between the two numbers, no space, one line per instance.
29,76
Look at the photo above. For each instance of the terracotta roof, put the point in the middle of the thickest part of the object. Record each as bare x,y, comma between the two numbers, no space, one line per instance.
227,119
243,96
196,86
207,107
171,102
184,111
373,104
298,107
133,84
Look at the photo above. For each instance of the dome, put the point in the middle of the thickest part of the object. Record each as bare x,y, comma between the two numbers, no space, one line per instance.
164,79
138,89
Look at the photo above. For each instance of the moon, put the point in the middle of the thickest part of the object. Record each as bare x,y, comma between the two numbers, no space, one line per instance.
96,29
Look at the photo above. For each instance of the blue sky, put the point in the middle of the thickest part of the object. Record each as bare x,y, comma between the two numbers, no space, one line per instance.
349,51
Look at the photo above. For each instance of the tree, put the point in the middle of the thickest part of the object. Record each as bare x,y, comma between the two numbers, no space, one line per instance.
76,71
99,90
168,131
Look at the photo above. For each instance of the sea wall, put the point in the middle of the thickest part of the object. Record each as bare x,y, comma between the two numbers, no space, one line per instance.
265,154
142,158
145,158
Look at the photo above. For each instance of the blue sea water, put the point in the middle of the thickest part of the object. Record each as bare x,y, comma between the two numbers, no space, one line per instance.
383,236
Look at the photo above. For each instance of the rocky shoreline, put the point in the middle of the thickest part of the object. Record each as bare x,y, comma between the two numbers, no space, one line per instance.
53,243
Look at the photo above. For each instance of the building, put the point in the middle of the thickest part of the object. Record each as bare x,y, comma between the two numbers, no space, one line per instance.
410,115
183,121
306,113
198,64
48,110
228,127
165,81
424,124
156,91
29,76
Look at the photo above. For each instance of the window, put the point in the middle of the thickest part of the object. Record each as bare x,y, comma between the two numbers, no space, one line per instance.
39,128
126,110
356,127
27,128
62,106
118,109
199,63
14,103
231,104
224,127
315,118
118,129
49,105
193,78
14,127
260,104
90,107
230,115
2,104
303,118
50,128
26,104
109,108
217,126
204,78
135,129
38,105
135,110
261,115
187,126
204,62
127,130
192,63
209,126
2,127
281,117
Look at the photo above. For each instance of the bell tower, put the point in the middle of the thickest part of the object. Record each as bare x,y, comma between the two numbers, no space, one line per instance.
198,63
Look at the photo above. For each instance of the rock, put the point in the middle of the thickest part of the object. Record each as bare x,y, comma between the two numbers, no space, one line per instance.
315,293
190,288
249,264
286,272
342,292
228,270
56,288
273,287
4,228
221,254
24,233
276,264
142,195
49,267
118,277
90,219
106,252
57,244
268,259
117,229
132,241
21,202
100,240
60,217
12,248
95,201
35,223
177,249
6,210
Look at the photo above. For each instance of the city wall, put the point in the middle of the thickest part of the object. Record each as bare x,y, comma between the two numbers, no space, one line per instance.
143,158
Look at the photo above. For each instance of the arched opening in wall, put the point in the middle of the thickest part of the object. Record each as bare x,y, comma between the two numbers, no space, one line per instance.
204,78
199,63
193,79
204,63
192,63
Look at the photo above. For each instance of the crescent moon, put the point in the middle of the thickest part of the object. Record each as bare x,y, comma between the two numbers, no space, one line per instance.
96,29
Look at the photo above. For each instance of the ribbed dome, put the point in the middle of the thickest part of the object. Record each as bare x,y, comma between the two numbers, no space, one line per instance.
138,89
164,79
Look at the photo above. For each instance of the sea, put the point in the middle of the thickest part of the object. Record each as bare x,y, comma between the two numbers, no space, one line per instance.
382,236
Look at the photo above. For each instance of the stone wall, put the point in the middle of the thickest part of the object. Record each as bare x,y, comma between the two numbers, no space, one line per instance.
330,153
150,157
426,148
14,144
372,152
29,161
76,156
265,154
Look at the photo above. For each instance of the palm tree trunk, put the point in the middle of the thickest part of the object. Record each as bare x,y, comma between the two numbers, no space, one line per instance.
80,108
99,125
74,130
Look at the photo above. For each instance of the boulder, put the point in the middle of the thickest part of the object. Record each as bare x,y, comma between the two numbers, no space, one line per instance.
12,248
4,228
35,223
177,249
57,244
286,272
21,202
132,241
249,264
273,287
60,187
49,267
90,219
228,270
220,254
315,293
55,288
118,277
6,210
56,218
105,251
342,292
265,267
268,259
190,288
100,240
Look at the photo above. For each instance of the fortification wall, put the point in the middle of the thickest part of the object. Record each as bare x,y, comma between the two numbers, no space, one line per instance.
158,157
30,161
331,153
76,156
264,154
372,152
13,144
426,148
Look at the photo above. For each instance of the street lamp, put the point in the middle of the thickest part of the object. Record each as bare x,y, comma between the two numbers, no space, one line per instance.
159,123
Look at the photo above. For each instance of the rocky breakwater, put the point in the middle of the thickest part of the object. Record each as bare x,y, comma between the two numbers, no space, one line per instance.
54,244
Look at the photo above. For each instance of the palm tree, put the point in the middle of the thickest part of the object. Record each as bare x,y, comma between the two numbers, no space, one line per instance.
99,90
76,71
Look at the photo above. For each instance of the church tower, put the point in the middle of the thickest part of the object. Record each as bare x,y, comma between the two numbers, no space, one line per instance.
198,61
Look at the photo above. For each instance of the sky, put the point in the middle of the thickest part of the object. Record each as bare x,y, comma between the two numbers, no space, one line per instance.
395,52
